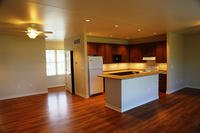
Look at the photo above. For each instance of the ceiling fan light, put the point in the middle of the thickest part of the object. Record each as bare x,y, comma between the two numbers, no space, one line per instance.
32,33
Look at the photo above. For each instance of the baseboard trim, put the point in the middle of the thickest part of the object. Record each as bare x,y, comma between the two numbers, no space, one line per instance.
124,109
173,91
192,87
81,95
24,95
49,87
113,107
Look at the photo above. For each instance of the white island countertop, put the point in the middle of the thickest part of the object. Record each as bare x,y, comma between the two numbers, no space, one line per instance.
126,91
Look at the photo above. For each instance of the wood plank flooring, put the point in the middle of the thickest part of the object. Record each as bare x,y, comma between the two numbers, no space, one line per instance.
59,112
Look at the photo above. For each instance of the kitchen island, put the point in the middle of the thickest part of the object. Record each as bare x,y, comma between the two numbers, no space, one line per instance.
126,91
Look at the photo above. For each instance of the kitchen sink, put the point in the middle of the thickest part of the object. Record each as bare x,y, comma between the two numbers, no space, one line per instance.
125,73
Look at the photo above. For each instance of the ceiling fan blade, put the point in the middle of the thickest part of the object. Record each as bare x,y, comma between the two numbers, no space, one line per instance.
47,32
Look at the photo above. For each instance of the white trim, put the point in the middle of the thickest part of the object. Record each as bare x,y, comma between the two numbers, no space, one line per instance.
24,95
193,87
56,86
174,90
113,107
81,95
124,109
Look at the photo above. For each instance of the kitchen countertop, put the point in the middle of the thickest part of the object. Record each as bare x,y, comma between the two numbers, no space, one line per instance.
120,77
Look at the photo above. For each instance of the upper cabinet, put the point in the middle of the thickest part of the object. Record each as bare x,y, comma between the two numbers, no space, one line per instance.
158,50
135,53
148,50
128,53
109,52
91,49
122,51
161,52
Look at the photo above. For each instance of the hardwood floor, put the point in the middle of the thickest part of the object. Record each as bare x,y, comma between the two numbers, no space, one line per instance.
59,112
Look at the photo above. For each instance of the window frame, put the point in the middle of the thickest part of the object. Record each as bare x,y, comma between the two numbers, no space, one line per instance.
56,62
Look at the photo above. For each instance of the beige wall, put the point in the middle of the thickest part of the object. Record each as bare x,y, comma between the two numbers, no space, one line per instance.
57,80
22,66
80,64
191,60
56,45
175,57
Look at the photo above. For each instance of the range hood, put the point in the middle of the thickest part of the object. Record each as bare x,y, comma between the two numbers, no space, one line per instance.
149,58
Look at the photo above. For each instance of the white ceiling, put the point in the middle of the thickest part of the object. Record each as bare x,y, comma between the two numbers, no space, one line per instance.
67,17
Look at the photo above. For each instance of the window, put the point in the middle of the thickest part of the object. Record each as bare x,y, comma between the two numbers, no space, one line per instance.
55,62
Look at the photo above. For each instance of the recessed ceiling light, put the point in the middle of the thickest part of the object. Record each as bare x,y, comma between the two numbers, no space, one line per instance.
116,26
139,30
89,33
87,20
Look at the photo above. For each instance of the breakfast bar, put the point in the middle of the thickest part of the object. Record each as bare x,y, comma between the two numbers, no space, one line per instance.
126,90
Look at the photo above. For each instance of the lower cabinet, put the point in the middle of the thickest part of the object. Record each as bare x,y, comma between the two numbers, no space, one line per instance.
162,83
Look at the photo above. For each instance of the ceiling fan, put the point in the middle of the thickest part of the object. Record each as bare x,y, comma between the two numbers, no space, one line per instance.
33,33
33,30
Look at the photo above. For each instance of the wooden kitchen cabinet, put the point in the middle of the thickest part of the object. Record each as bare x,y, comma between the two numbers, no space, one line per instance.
108,50
131,53
161,52
108,53
91,49
122,50
162,83
135,53
148,50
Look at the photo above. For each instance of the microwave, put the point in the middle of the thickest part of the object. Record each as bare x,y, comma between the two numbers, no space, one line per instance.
116,58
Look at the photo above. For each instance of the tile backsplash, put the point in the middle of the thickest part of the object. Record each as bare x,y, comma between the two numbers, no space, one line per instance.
122,66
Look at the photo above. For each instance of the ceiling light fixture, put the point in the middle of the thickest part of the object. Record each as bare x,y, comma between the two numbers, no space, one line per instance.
87,20
116,26
155,33
139,30
32,33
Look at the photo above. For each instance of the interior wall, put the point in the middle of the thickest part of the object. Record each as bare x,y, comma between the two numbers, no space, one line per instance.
57,80
80,64
175,59
22,66
56,45
106,40
191,60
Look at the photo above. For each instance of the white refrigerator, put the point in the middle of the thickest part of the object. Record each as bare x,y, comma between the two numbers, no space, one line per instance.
95,68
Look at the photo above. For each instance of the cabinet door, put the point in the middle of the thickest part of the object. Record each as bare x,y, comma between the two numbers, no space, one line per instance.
148,50
164,53
123,50
101,51
91,49
108,53
162,83
161,52
135,54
